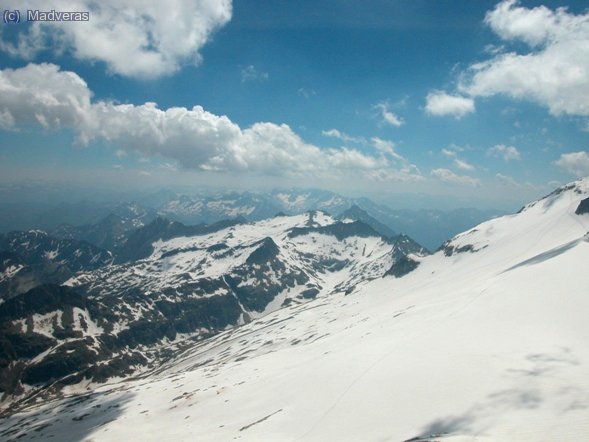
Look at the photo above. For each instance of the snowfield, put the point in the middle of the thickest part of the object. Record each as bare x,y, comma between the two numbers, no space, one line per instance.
487,340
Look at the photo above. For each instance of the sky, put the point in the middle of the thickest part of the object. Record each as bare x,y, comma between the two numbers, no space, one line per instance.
473,103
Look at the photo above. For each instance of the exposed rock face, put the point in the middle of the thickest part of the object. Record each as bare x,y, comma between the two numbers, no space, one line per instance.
138,245
402,267
52,333
339,230
358,214
450,250
29,259
583,207
36,247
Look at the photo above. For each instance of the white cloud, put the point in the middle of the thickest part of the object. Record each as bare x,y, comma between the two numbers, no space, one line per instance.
137,38
389,117
194,138
461,164
409,172
250,73
440,103
448,176
508,153
506,180
493,49
553,73
387,147
576,163
42,94
449,153
533,26
334,133
452,153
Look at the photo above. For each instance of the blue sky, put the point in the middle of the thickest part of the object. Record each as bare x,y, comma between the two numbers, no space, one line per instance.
478,103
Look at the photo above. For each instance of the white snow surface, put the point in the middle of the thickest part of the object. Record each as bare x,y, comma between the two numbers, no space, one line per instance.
480,346
10,271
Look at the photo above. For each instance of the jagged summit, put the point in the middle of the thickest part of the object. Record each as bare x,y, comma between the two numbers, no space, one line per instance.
355,213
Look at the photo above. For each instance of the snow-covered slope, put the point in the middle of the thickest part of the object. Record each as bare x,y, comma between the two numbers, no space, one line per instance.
485,341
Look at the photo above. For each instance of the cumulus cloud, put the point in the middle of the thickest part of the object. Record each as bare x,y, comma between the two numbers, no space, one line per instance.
138,38
554,72
440,103
387,116
508,153
250,73
448,176
43,94
576,163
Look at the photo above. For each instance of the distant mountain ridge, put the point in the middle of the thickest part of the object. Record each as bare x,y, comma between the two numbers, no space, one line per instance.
106,224
429,227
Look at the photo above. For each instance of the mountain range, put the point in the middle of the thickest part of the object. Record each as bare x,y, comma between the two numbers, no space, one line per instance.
103,223
168,284
310,327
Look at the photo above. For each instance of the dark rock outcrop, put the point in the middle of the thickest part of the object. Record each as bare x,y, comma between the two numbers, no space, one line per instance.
583,207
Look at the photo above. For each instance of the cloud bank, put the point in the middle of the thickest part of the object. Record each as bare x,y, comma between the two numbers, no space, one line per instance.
42,94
